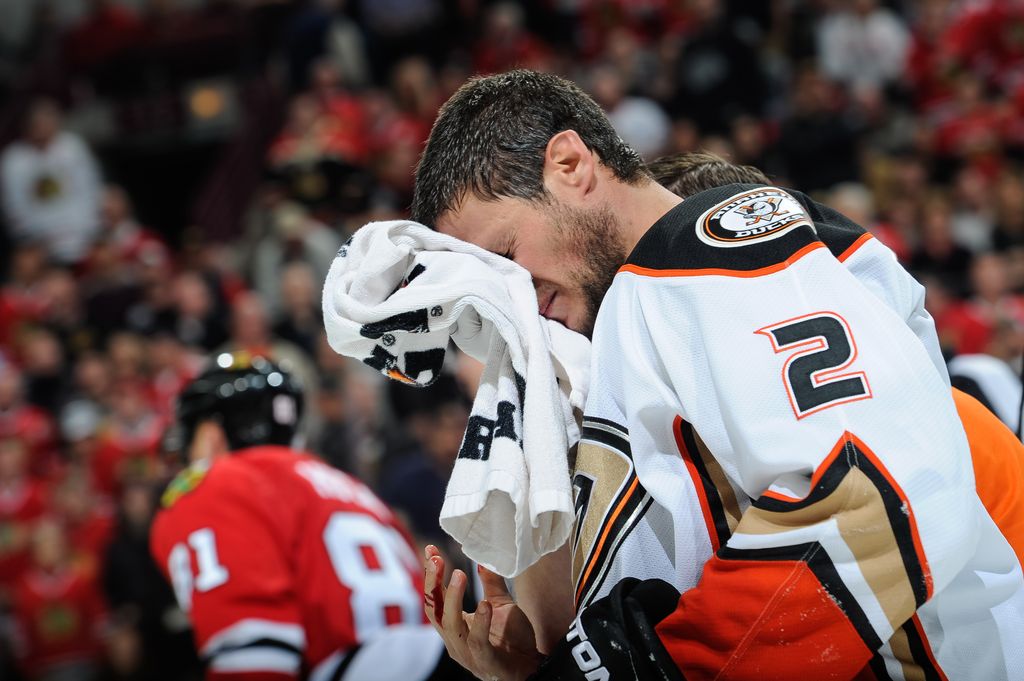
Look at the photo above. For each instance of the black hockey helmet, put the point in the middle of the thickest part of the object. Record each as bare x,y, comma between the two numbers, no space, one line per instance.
255,401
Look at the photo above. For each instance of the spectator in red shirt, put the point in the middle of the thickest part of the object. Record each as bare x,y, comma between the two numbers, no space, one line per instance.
415,91
22,502
171,368
131,438
960,329
313,134
59,612
88,519
108,29
993,301
129,243
928,67
985,37
346,112
972,125
505,43
19,419
20,298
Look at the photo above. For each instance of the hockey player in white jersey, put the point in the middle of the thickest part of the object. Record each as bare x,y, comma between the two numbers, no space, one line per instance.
773,480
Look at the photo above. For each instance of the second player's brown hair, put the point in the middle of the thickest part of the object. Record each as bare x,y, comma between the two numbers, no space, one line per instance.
691,173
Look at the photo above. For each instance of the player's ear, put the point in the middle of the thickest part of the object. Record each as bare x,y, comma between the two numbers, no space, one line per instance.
570,168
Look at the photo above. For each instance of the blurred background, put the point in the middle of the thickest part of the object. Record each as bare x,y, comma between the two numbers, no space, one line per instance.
177,175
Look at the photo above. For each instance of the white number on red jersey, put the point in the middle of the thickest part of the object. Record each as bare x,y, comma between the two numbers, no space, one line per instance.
373,561
179,564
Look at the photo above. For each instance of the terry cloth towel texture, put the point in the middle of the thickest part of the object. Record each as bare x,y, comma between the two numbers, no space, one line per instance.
395,294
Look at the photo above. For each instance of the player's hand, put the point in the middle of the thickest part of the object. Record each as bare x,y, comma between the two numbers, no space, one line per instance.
494,643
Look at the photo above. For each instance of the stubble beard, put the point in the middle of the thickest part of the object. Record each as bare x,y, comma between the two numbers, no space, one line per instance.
592,240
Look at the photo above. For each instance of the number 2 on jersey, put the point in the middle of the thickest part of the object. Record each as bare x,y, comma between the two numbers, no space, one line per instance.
822,346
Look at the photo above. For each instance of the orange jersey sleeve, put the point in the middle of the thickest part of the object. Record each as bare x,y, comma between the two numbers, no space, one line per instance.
998,458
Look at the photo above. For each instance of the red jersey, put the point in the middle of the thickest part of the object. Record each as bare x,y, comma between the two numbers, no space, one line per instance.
34,427
59,618
283,563
90,536
20,505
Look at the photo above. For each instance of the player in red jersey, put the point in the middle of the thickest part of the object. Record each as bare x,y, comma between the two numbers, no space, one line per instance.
287,567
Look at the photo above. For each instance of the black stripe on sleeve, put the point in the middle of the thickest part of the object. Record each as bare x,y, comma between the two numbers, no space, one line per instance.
895,509
711,493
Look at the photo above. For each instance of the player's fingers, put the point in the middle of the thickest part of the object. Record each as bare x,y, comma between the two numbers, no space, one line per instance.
494,585
432,555
479,631
452,620
433,594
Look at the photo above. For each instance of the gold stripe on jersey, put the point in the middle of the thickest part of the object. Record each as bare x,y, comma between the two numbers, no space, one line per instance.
717,476
912,651
610,474
900,647
609,502
874,520
855,504
717,497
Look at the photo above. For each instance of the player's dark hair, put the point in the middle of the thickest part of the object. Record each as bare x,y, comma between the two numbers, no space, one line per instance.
691,173
490,137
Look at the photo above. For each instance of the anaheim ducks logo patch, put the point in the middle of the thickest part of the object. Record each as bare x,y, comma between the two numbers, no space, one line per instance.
758,214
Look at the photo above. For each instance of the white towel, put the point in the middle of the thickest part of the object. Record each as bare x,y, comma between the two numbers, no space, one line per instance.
393,297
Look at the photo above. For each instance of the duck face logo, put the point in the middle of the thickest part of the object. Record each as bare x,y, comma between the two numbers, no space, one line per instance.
758,214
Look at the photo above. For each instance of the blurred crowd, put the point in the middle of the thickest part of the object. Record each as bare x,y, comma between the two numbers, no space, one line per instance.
177,176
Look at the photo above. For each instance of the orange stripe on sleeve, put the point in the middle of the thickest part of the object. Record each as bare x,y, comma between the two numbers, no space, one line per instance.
915,622
604,536
698,485
852,248
918,547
